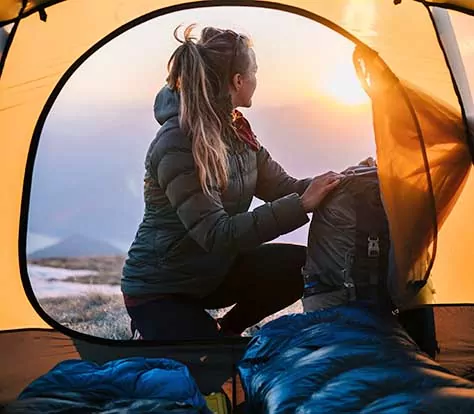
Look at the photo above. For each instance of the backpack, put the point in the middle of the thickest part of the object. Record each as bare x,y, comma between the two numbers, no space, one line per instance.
348,245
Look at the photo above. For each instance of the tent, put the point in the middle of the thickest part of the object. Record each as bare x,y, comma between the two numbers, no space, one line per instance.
45,41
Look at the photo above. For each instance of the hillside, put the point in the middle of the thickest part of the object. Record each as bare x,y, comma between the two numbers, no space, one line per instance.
77,246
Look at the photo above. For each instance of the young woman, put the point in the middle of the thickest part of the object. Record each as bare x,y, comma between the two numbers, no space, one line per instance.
198,247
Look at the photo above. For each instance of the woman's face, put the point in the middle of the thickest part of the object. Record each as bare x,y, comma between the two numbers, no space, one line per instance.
243,85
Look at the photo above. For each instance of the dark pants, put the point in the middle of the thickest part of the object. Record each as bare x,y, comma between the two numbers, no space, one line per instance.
261,282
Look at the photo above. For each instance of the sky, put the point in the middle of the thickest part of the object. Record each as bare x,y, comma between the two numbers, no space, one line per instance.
138,58
304,67
302,64
122,79
294,54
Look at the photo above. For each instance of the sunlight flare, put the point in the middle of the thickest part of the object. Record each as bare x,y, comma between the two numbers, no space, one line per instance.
342,84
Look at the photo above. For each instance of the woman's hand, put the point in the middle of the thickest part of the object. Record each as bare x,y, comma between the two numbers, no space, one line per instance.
319,188
368,162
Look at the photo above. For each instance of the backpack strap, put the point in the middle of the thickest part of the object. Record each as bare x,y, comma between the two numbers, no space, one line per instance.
349,285
369,270
373,256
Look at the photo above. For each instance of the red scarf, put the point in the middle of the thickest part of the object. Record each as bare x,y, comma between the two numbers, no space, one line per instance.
244,130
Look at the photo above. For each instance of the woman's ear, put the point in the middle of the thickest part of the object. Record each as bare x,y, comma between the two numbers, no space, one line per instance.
237,81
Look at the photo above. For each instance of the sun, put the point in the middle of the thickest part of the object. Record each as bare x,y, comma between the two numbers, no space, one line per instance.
342,85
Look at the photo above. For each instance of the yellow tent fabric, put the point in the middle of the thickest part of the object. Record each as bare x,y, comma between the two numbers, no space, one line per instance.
10,9
423,164
42,52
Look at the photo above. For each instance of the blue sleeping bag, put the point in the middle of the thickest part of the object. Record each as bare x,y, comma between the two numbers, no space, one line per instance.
346,359
132,385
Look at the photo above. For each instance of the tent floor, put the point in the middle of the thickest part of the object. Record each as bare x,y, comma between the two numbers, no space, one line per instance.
26,354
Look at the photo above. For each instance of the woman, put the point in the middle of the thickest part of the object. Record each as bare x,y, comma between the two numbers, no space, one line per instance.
198,247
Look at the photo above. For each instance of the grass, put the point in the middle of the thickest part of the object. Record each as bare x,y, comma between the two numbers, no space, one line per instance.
95,314
105,316
108,268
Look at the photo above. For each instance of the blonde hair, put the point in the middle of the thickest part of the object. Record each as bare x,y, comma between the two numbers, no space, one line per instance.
201,72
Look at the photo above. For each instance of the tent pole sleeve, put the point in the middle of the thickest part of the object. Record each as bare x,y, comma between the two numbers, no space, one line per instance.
450,45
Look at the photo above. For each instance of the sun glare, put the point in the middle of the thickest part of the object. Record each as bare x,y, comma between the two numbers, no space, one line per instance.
342,85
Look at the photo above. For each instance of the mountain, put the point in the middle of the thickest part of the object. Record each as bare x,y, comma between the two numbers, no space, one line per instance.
77,246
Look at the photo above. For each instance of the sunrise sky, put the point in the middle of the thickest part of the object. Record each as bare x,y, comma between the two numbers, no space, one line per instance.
304,68
300,61
300,67
306,60
297,57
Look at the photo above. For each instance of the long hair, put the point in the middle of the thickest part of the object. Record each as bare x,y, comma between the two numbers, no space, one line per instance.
201,71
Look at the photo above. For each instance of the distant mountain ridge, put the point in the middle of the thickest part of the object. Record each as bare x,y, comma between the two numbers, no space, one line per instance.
77,246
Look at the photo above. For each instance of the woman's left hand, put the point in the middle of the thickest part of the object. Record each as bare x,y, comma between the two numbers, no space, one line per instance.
368,162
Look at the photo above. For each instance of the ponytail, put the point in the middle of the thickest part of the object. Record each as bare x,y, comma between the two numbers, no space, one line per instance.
200,114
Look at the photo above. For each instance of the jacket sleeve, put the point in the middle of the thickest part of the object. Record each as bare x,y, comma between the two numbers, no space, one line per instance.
273,182
204,217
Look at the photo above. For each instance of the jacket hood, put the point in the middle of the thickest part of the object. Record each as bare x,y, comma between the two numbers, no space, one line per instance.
166,104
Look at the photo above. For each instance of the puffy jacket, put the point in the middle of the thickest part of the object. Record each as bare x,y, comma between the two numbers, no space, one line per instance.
187,241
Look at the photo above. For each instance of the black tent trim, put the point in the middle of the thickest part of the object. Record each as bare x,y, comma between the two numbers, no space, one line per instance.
10,38
23,228
469,136
434,305
40,8
35,9
43,116
453,7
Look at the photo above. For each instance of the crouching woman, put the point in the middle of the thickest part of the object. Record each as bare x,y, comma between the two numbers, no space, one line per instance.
198,246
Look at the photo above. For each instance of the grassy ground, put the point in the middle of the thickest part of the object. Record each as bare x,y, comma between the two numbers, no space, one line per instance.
105,316
95,314
108,268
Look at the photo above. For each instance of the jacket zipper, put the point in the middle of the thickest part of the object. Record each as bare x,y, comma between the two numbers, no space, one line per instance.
241,182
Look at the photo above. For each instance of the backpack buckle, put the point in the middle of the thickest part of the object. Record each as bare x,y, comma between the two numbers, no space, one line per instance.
351,291
373,247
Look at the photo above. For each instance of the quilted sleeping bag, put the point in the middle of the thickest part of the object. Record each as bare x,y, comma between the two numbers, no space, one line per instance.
346,359
131,385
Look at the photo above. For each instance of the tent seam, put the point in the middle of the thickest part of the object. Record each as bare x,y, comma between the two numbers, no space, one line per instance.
469,137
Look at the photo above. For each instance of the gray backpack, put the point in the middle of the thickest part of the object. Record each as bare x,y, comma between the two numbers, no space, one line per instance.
348,245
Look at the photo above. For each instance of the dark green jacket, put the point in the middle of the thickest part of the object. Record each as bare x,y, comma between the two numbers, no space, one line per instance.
186,241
